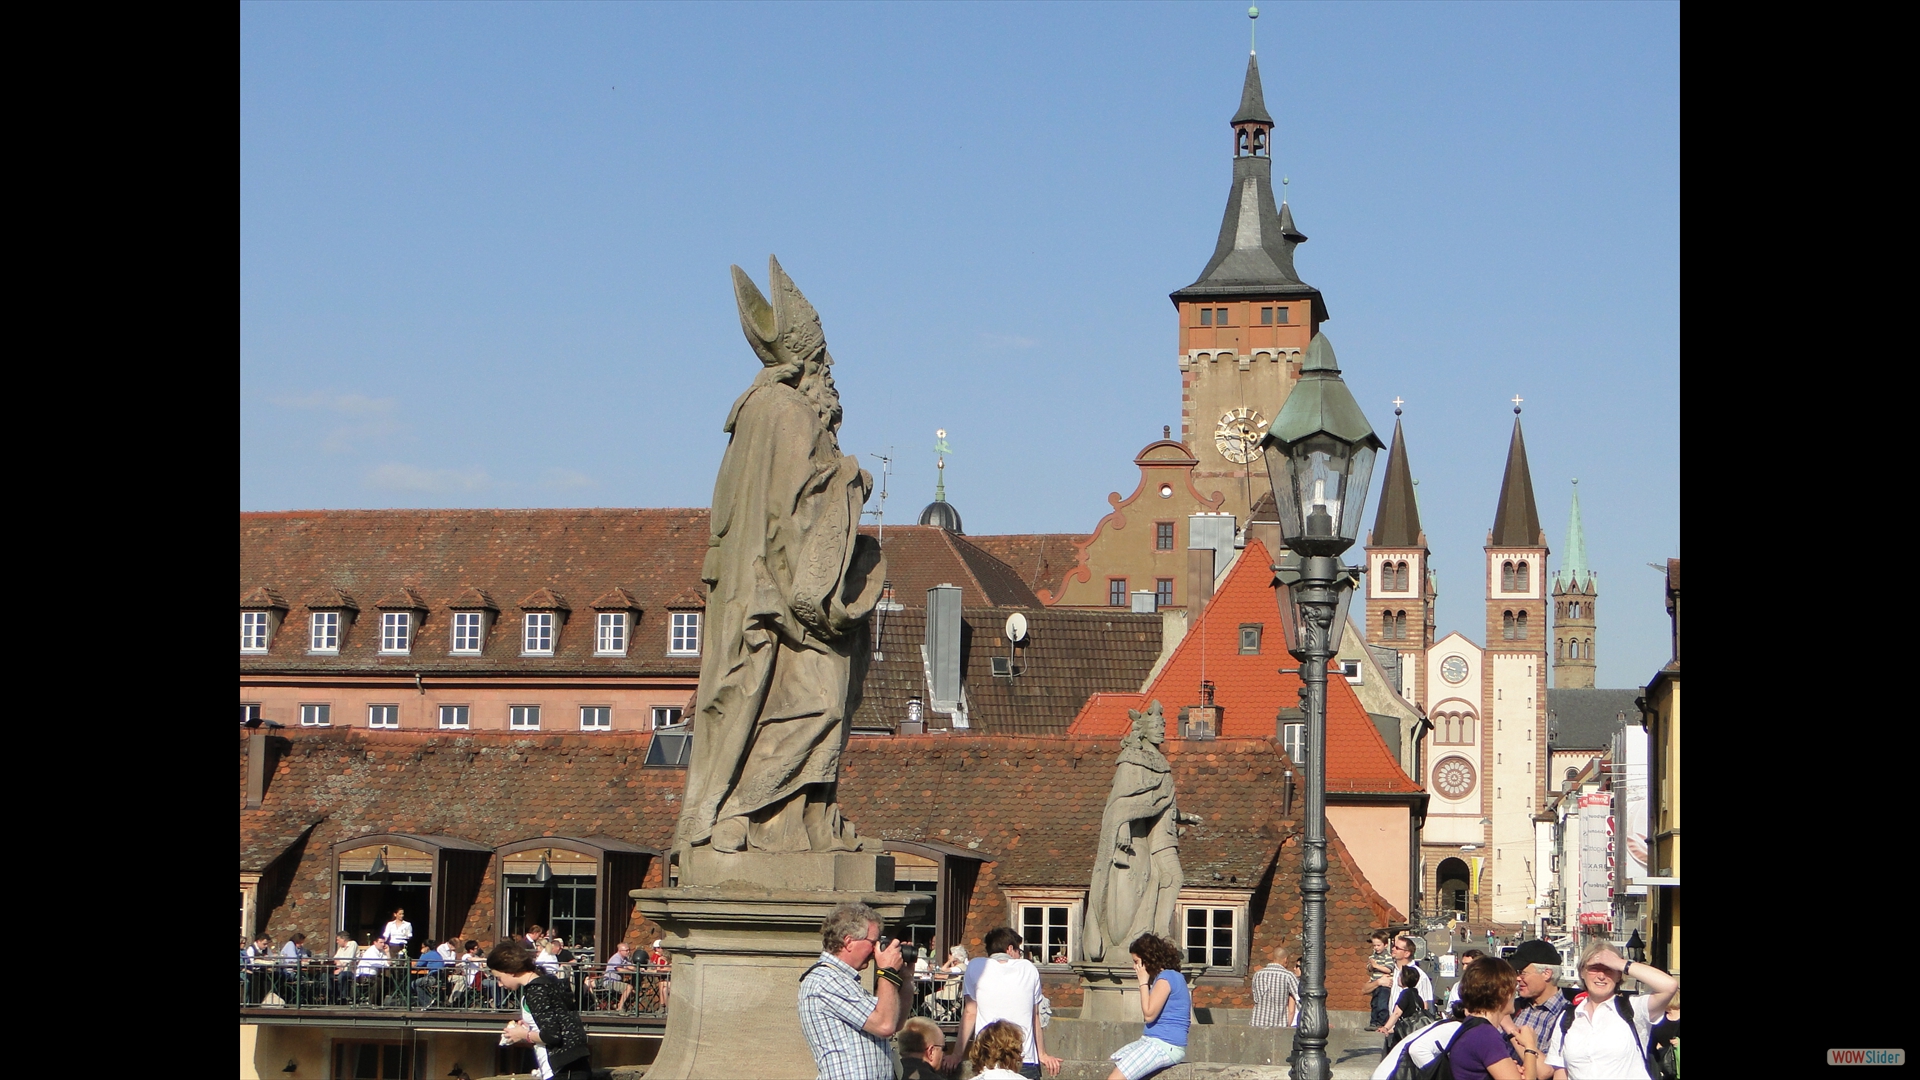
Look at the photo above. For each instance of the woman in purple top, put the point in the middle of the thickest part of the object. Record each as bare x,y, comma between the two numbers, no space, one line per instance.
1489,1045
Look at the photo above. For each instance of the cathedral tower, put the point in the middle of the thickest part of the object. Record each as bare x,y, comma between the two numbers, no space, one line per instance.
1514,685
1245,324
1574,592
1399,609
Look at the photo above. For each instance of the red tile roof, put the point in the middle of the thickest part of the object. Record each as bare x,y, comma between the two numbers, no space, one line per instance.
922,556
466,559
544,599
1040,559
403,599
1068,655
262,597
1249,689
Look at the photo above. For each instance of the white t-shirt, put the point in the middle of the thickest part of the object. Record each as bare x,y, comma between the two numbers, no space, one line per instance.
1422,1045
398,933
1009,989
1599,1044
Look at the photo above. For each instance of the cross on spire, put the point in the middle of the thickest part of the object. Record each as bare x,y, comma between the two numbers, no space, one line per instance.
1517,399
1396,406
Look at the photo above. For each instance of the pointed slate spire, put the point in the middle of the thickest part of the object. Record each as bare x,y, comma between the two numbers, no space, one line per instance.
1253,103
1516,521
1397,524
1574,563
1253,257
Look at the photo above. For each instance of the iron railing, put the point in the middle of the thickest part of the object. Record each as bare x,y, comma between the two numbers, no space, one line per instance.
320,983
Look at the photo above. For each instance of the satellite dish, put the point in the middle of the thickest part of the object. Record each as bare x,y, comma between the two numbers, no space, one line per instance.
1016,627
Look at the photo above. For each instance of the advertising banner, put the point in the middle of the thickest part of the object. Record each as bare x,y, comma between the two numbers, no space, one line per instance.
1596,858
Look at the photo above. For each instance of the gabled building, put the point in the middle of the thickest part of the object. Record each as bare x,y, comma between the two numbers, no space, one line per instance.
1231,678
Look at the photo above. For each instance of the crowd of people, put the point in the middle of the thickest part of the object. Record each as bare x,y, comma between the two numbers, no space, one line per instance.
451,974
1508,1018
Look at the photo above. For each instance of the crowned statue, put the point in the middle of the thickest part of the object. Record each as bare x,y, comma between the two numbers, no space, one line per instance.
1136,873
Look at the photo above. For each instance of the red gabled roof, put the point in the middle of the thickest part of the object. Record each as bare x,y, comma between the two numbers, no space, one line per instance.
1250,689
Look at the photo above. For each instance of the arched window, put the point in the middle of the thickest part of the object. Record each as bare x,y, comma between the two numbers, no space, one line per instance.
1400,625
1386,626
1406,579
1506,577
1588,652
1506,626
1520,627
1520,578
1559,648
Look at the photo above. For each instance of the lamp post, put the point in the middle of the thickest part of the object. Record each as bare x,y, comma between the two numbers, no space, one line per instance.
1319,454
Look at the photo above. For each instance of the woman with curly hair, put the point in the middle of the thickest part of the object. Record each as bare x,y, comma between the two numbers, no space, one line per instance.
1165,1003
995,1053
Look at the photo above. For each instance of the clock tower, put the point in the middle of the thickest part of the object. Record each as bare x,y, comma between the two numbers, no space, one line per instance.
1245,324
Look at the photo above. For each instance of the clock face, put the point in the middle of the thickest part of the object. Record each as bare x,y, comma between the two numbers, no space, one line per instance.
1454,669
1238,435
1453,777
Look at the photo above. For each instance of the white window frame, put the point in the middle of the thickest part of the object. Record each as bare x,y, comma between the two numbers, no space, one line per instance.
250,710
396,633
675,715
316,714
685,628
1073,899
610,634
523,718
1235,900
1293,741
1353,671
256,631
462,714
468,626
605,712
327,643
389,721
537,634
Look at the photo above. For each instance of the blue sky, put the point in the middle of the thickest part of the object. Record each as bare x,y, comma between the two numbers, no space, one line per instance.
484,249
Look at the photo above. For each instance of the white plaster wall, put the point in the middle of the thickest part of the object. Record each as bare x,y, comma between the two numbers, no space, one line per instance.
1510,765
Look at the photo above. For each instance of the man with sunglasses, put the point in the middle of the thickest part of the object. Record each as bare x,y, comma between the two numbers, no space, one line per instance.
847,1028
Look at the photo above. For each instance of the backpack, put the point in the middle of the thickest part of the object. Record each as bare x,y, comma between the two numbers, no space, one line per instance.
1440,1068
1409,1023
1659,1066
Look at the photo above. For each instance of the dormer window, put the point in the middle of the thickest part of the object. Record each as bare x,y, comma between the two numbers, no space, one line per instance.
610,638
469,630
255,630
324,632
396,633
686,634
539,634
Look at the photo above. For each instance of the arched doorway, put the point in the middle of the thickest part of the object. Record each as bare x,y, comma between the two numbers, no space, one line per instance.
1452,883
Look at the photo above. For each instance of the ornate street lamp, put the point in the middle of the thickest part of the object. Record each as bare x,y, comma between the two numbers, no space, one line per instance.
1319,453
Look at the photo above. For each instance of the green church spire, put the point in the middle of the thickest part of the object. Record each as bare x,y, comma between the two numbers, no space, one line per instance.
1574,563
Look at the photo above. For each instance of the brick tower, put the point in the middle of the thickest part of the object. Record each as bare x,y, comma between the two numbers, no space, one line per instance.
1574,593
1399,613
1514,682
1245,323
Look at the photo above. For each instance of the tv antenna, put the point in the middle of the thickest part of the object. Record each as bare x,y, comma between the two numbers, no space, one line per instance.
880,515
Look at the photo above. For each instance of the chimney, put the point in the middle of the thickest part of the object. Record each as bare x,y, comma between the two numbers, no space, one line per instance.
1210,542
943,647
257,766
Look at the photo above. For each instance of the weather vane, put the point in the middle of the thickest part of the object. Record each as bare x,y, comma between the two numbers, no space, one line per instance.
941,448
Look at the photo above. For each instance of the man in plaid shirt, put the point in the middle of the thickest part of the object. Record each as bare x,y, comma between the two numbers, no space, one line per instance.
847,1028
1538,1003
1276,993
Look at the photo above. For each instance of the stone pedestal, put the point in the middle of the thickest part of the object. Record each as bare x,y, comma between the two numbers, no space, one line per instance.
742,929
1112,993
